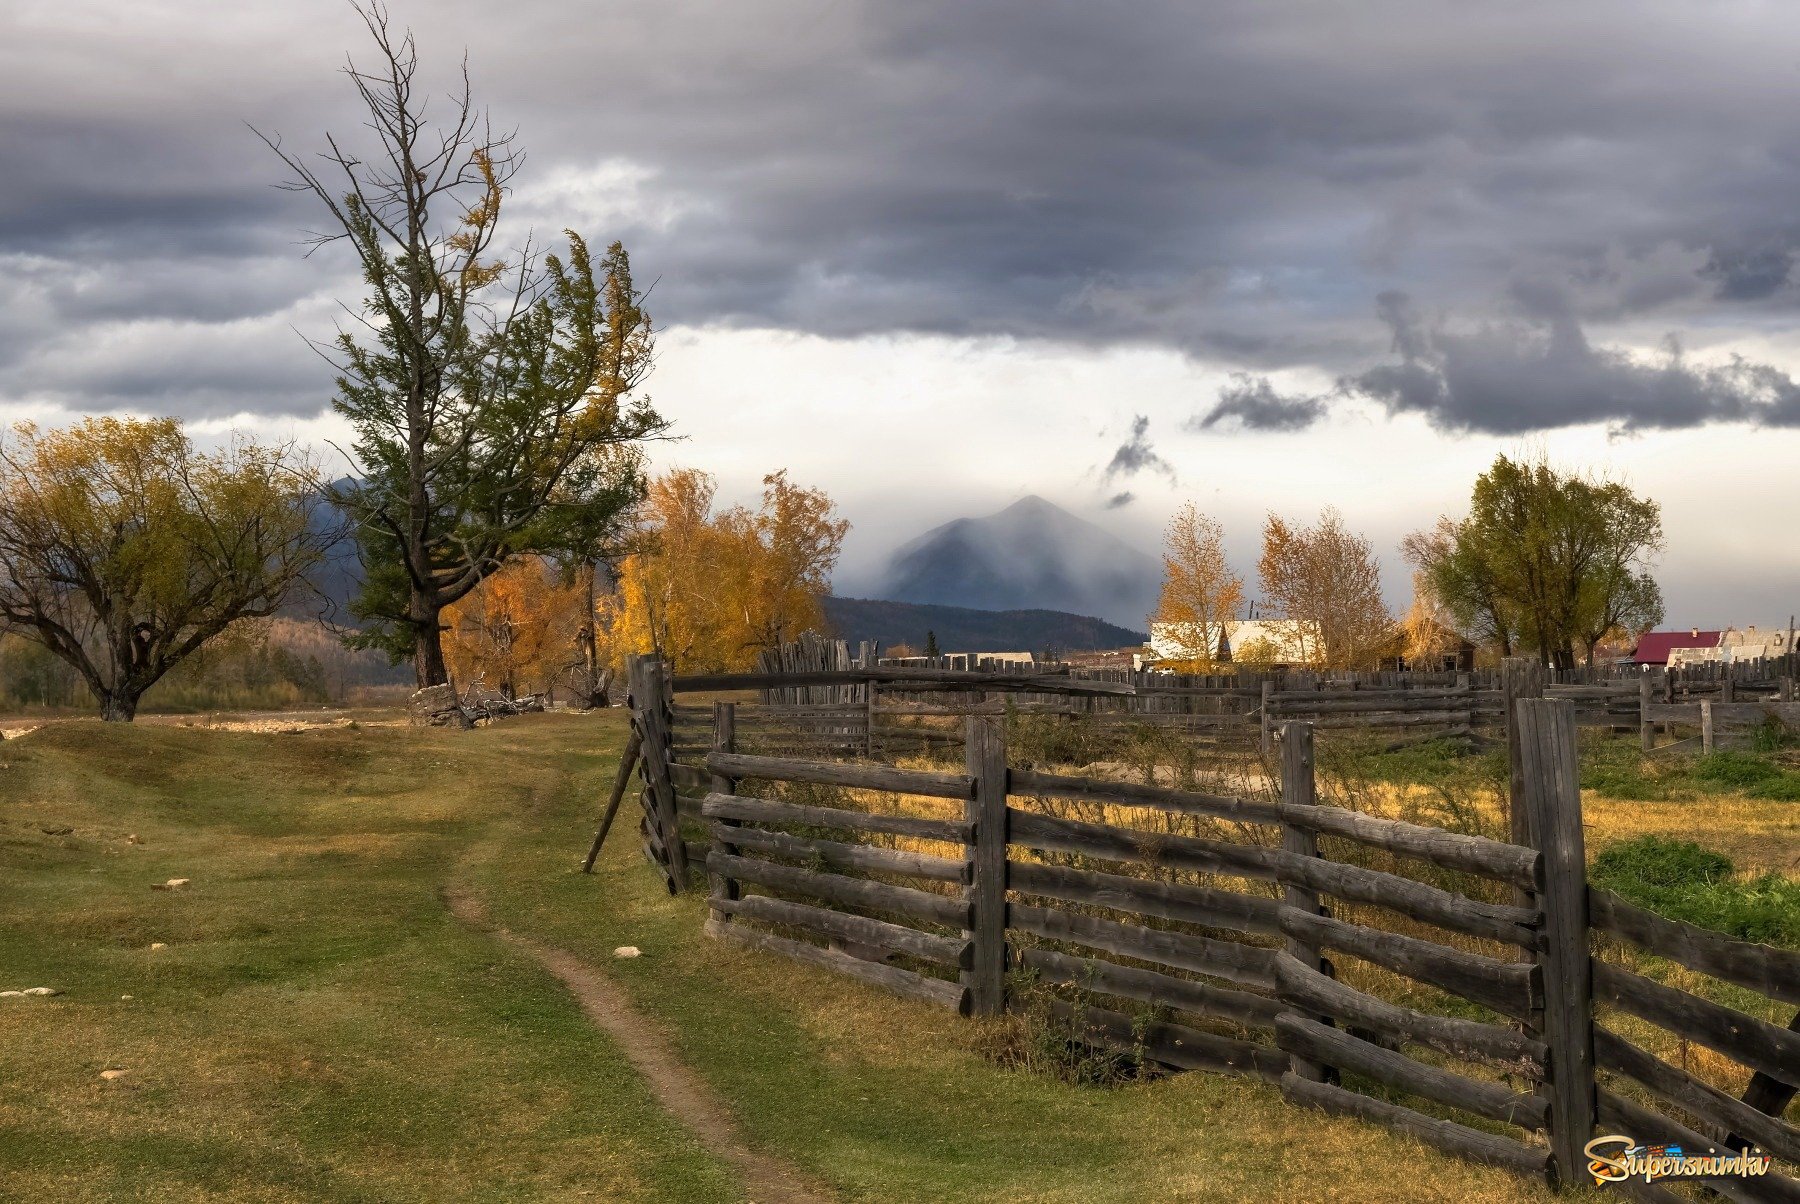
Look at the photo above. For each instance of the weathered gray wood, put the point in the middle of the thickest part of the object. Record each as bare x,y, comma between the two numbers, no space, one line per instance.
1765,1093
1320,1044
856,892
1756,1043
1452,850
1646,729
1248,965
1153,988
1458,913
772,811
903,678
838,855
1706,726
1773,972
1552,776
1173,1045
724,740
985,763
864,777
627,762
1266,713
1509,988
1165,900
1678,1087
880,934
1314,992
1298,848
1445,1135
1623,1115
653,762
1109,842
1520,677
893,978
1159,798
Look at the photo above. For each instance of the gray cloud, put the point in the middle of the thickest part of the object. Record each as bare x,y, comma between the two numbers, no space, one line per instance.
1253,403
1136,455
1232,182
1119,501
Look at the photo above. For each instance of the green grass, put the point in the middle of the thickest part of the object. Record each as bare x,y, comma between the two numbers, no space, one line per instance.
1684,881
318,1028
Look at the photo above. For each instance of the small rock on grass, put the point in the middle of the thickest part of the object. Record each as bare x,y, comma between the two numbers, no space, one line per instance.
12,994
171,884
628,951
157,945
40,991
113,1075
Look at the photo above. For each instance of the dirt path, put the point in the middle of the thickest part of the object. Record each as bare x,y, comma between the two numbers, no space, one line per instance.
767,1179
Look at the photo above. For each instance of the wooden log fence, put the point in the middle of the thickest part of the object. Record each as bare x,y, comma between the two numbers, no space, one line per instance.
1145,938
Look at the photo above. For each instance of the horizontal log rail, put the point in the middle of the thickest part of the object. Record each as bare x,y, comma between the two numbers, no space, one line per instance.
1676,1086
868,858
1457,913
855,892
1445,1135
893,978
951,951
1300,985
1049,682
1161,798
1171,1044
1773,1050
1451,850
1510,988
1337,1048
825,773
770,811
1109,842
1619,1114
1152,987
1181,902
1770,971
1247,965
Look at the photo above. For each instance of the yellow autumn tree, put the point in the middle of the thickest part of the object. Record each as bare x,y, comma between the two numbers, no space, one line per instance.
1200,593
519,630
1326,581
711,590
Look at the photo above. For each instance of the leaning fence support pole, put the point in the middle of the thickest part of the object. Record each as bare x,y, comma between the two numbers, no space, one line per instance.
724,741
1553,796
650,698
1299,788
621,783
986,810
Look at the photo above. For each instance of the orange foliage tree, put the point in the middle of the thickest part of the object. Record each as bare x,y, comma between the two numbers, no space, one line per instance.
521,627
1328,579
1200,593
710,590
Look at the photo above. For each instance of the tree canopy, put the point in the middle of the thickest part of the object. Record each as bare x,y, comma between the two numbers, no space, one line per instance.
123,551
1200,593
1327,579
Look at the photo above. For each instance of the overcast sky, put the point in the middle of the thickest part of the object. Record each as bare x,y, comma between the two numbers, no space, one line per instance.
933,257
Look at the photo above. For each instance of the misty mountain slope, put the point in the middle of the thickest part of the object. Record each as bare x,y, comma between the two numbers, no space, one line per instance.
1033,555
961,629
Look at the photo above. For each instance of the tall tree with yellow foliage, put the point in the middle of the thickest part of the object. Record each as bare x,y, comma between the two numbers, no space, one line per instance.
1327,579
711,590
521,627
1200,593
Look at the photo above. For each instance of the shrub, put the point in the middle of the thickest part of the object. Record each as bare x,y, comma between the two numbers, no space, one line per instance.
1684,881
1756,776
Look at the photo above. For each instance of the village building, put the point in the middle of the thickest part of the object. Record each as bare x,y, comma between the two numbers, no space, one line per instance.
1274,643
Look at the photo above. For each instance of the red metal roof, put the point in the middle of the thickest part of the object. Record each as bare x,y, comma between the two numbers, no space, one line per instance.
1653,647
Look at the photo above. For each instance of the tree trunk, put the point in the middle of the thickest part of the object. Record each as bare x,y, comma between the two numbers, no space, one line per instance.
118,707
428,655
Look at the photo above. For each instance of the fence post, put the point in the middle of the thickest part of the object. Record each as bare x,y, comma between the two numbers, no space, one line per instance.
1268,731
650,700
986,810
724,741
1299,787
1520,677
1553,795
1646,730
1706,725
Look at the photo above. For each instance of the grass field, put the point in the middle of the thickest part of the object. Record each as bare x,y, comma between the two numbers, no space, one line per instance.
318,1027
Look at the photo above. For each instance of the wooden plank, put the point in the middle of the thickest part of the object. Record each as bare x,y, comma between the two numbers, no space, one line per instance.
1326,1046
864,777
894,938
772,811
1160,798
1509,988
1165,900
1627,1116
1171,1044
893,978
856,892
1152,987
1249,965
1298,847
1458,913
1767,1094
1756,1043
653,765
1112,843
986,812
1761,968
1445,1135
1452,850
1678,1087
1315,992
838,855
903,678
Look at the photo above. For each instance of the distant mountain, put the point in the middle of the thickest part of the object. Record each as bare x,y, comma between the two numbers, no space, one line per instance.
1031,555
961,629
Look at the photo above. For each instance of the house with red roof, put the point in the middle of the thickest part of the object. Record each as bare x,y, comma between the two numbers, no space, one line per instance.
1655,647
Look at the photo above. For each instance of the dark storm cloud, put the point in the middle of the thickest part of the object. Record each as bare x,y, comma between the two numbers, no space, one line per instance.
1253,403
1136,455
1119,501
1230,181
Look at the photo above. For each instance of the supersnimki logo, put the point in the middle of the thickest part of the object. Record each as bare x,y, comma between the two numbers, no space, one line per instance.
1614,1159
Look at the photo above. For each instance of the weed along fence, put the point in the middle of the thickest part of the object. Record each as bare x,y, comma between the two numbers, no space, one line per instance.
1474,993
